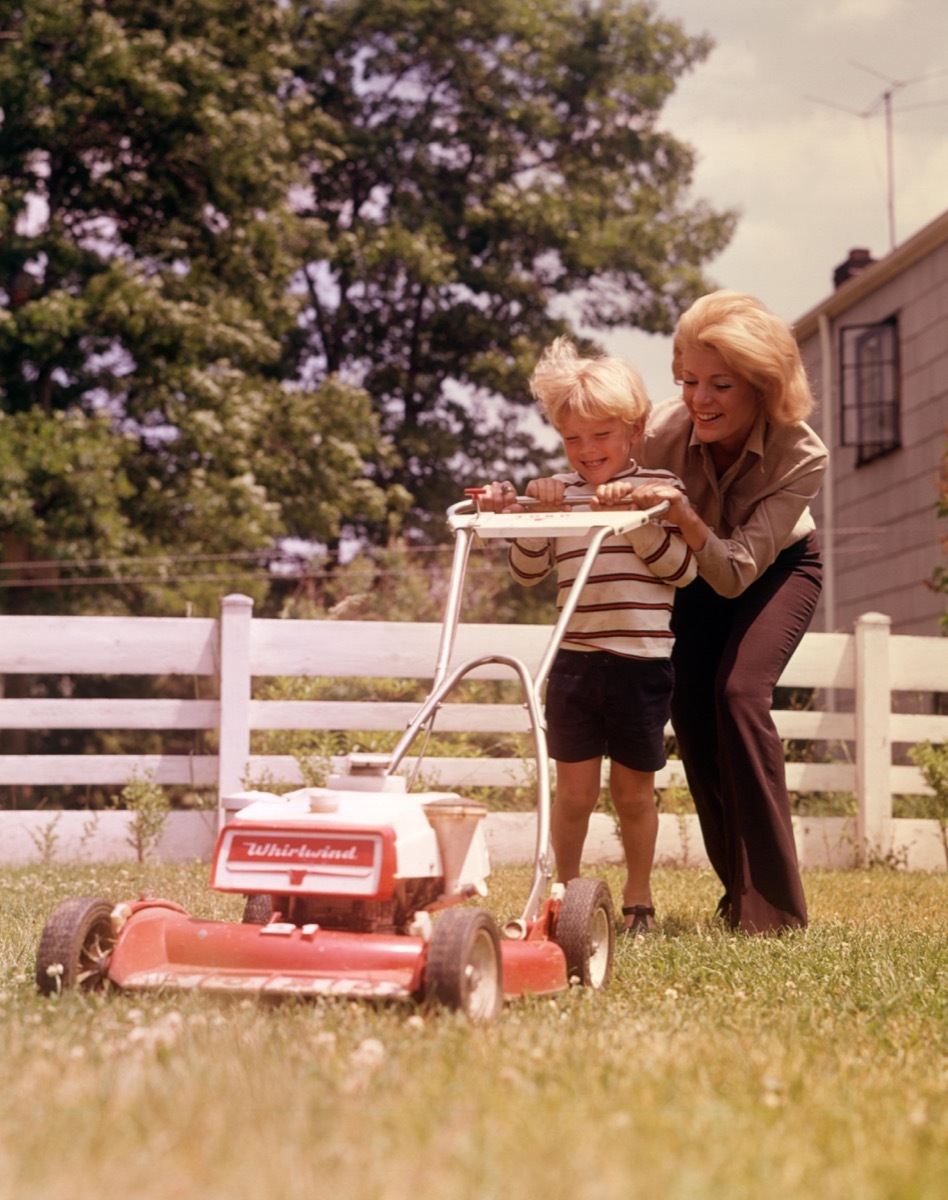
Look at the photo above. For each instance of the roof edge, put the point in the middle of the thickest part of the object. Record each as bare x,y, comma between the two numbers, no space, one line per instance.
928,238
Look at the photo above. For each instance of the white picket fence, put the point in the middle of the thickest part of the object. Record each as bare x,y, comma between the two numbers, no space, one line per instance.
874,690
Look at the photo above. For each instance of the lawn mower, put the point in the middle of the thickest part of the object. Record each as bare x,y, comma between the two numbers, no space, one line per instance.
364,888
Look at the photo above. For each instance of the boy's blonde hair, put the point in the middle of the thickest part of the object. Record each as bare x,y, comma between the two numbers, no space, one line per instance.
754,344
565,384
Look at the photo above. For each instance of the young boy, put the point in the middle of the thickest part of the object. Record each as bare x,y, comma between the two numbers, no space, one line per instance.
610,686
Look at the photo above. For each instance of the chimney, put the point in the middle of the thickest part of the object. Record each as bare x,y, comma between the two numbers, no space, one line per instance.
858,260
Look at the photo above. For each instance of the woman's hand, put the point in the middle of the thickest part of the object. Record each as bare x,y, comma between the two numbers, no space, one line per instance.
623,493
679,511
648,495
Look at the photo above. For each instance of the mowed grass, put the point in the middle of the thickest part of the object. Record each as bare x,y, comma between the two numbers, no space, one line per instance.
716,1065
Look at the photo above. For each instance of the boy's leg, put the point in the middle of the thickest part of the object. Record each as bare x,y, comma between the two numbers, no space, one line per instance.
577,790
633,794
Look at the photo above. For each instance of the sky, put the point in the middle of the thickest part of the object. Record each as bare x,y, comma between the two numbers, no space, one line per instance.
776,116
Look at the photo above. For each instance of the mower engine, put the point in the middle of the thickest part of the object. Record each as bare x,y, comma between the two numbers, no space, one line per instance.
360,854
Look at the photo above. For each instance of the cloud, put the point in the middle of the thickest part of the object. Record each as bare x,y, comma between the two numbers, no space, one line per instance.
774,116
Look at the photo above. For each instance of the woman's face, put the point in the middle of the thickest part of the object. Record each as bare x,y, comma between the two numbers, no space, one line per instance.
722,404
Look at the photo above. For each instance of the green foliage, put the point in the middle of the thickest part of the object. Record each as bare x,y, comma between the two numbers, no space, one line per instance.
677,800
148,804
46,839
288,266
932,761
65,490
147,249
479,177
313,750
403,582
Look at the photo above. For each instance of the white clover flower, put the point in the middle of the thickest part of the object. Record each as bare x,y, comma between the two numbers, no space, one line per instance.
364,1061
369,1053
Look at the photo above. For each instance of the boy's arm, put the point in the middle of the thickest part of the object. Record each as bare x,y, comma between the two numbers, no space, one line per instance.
665,552
531,560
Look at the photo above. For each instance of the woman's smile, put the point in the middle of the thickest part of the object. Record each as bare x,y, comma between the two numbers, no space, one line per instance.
723,405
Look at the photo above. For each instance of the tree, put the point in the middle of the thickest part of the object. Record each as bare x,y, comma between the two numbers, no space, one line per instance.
481,177
291,263
146,248
65,481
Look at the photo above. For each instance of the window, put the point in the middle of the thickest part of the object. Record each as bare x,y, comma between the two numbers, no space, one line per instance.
869,386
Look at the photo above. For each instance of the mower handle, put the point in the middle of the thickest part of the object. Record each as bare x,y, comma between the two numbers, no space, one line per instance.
466,507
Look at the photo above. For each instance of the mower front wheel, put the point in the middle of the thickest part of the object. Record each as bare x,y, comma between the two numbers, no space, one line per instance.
75,947
464,969
586,932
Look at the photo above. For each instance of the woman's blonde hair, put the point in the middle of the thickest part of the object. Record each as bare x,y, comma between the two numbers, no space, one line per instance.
755,344
565,384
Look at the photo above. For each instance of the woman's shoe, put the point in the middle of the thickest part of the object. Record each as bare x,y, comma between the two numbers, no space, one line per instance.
641,914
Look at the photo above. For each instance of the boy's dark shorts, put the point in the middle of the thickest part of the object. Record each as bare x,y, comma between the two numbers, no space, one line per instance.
602,704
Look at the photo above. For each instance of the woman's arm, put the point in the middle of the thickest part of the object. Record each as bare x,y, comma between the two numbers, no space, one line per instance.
731,564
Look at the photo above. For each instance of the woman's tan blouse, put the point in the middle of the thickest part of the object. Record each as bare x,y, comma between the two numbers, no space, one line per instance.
758,507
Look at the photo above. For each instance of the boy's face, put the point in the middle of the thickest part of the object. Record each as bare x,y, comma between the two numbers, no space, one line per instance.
598,448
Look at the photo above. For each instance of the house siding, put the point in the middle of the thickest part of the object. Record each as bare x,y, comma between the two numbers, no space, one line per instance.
885,528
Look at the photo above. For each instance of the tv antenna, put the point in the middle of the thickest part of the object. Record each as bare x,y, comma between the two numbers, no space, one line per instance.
884,101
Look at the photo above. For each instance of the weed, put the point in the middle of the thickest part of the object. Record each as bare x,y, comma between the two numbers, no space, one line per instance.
932,761
46,839
148,804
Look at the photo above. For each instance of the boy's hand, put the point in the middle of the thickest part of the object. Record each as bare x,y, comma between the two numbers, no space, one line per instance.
498,496
617,494
548,493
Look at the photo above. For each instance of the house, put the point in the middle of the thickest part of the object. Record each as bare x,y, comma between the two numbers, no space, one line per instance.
876,352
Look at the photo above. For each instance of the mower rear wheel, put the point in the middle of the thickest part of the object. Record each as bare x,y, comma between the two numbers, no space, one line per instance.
75,947
258,910
464,969
586,932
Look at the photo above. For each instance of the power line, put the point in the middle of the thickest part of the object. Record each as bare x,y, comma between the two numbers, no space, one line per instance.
34,563
161,559
379,574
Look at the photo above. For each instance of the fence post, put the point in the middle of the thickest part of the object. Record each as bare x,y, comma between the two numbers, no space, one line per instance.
234,752
873,743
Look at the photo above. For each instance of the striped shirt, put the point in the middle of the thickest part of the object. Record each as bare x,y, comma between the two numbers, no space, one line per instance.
626,605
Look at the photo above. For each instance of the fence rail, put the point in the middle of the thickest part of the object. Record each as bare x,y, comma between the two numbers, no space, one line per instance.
873,691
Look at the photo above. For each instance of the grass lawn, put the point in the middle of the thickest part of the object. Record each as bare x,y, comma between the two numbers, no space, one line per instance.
716,1065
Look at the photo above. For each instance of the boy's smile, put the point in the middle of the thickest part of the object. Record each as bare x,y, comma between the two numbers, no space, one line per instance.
598,448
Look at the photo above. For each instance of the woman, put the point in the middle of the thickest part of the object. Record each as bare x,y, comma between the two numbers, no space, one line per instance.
737,439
